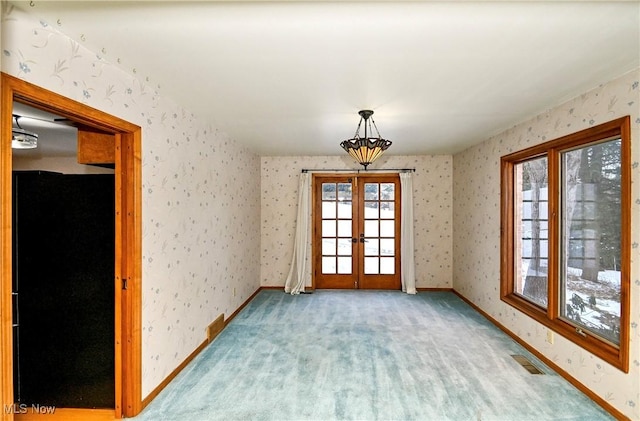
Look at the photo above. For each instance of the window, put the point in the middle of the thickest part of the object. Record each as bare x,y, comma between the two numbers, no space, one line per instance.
565,237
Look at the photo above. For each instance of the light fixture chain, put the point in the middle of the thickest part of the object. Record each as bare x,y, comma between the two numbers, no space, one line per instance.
374,125
357,134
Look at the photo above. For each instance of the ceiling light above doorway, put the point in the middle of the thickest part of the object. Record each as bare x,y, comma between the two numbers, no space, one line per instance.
21,138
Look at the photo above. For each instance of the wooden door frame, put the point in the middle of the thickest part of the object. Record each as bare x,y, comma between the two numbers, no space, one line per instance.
315,262
316,210
397,217
128,238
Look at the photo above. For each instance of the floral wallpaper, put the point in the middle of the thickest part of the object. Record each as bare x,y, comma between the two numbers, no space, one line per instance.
200,213
432,190
476,237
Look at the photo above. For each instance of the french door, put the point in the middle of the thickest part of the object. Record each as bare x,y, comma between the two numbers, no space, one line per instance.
356,231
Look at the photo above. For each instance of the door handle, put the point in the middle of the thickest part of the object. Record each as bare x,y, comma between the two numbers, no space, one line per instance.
354,240
362,240
16,313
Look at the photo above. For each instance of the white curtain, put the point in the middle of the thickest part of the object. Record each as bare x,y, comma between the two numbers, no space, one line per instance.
296,278
407,260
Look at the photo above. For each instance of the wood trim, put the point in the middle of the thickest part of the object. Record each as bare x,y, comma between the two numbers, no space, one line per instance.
243,305
197,351
617,356
584,389
506,227
380,281
67,414
626,244
554,237
131,252
128,174
95,147
6,333
341,281
155,392
357,278
119,336
311,291
215,328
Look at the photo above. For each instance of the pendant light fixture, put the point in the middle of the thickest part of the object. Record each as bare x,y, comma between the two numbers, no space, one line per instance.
366,149
21,138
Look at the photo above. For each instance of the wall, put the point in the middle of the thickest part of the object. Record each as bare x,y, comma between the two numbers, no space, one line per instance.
432,189
476,237
200,213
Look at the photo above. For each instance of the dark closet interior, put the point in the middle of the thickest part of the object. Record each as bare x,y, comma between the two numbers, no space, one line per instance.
63,289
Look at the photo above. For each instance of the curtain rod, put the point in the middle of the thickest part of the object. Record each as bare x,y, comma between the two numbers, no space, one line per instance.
357,170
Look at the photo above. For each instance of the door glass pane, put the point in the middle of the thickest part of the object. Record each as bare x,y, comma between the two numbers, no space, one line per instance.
344,209
329,228
531,233
344,191
371,247
344,265
387,247
329,246
591,247
387,265
387,228
370,191
371,228
387,210
328,210
387,191
344,246
344,228
328,191
329,265
371,210
371,265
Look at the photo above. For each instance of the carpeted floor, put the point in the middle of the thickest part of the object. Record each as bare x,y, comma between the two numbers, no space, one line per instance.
365,355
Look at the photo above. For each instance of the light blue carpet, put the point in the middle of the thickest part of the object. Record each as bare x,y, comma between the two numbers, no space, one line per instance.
365,355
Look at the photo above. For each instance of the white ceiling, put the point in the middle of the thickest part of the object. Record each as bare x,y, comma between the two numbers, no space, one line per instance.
288,78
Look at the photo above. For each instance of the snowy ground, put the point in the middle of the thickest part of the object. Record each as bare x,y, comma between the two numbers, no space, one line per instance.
606,311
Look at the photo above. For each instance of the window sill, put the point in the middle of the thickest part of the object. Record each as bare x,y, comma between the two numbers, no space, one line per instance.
611,354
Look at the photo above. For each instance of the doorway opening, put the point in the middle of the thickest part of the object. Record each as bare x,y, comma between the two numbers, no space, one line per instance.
122,141
356,231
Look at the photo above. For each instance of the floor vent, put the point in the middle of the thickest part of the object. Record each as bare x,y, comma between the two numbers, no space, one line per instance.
524,361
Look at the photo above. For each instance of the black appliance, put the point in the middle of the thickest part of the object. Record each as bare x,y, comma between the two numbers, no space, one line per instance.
63,289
